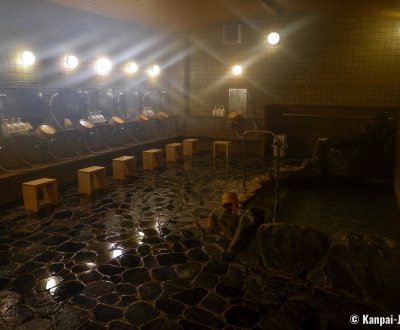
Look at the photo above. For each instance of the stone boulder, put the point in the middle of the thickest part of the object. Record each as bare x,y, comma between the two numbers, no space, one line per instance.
291,248
367,267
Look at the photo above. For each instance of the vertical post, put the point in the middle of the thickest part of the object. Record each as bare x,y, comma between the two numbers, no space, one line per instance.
276,169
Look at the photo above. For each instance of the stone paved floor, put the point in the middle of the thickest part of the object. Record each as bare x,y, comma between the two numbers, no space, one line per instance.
134,257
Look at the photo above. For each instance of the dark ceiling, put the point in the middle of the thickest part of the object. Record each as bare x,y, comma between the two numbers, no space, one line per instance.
186,14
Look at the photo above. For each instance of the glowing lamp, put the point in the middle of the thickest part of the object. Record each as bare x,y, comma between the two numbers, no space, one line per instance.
71,62
103,65
273,38
132,67
27,58
154,70
237,70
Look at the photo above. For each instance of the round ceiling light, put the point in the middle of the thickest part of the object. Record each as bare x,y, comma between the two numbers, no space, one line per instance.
27,58
103,65
273,38
154,70
132,67
237,70
71,61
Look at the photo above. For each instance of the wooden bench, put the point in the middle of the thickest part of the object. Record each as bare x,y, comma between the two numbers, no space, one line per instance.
90,178
30,191
152,159
123,167
226,146
174,152
190,147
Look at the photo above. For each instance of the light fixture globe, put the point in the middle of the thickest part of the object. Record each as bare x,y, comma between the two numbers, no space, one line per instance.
237,70
70,61
273,38
27,58
103,65
154,70
132,67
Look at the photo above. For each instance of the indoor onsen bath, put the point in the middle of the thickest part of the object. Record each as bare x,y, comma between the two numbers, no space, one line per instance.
211,165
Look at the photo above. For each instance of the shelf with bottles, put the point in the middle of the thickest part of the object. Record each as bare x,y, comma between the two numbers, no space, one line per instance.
218,111
96,118
15,127
149,112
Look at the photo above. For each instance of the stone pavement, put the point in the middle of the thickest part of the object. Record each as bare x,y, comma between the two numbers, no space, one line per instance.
135,257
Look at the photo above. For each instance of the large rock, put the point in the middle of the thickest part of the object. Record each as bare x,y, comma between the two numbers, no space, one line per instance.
366,267
292,249
345,162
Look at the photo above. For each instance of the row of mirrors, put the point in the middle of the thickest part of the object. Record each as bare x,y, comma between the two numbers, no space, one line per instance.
76,108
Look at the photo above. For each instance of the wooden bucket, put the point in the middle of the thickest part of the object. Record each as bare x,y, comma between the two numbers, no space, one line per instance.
84,126
45,132
230,201
116,122
162,115
233,116
142,117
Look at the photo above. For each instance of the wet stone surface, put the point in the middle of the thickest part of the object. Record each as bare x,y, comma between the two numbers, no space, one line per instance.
134,257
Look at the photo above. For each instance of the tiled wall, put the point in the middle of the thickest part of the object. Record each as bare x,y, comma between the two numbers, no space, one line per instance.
353,61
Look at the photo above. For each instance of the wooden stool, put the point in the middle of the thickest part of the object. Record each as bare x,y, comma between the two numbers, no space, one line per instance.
91,177
174,151
30,193
190,147
123,166
152,159
225,144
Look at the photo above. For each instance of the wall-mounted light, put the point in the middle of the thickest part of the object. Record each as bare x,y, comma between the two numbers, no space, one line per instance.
131,67
103,66
273,38
70,61
153,70
27,58
237,70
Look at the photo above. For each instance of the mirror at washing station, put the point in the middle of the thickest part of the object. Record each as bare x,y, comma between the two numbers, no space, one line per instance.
8,111
152,102
108,108
77,105
155,104
34,113
128,104
31,106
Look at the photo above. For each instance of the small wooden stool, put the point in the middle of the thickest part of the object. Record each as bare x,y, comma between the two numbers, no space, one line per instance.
152,159
174,152
225,144
190,147
91,177
30,192
123,166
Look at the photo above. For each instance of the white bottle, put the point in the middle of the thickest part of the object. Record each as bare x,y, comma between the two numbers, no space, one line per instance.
223,112
22,126
10,127
100,117
95,117
14,125
214,111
